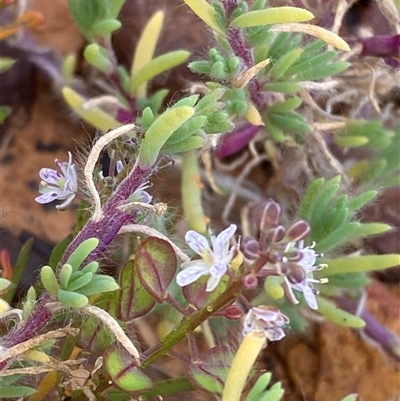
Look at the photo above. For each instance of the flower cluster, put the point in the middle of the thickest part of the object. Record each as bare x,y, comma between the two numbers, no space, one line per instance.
214,262
281,252
58,186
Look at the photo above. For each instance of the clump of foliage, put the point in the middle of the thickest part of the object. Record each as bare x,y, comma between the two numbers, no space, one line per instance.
265,73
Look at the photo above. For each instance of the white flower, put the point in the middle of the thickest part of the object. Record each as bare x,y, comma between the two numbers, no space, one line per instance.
214,262
56,185
303,281
267,319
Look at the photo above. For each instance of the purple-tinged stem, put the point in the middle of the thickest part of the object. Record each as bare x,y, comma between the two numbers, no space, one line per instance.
389,341
105,230
229,6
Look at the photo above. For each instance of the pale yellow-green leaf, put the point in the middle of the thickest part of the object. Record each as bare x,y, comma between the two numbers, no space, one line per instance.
276,15
6,63
351,141
205,12
157,66
316,31
336,315
253,115
364,263
145,48
94,116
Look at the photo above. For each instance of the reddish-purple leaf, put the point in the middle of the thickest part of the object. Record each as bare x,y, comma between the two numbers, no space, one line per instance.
123,370
211,373
197,295
156,265
133,298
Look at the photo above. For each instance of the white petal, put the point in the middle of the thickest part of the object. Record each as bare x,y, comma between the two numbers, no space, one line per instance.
197,242
212,283
191,274
221,242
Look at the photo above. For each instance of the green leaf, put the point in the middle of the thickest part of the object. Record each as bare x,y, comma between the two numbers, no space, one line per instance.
106,26
346,280
324,71
284,63
156,66
275,132
211,372
361,200
336,315
16,391
282,87
86,13
49,280
259,387
133,298
351,397
5,111
338,237
82,252
191,143
93,336
72,299
364,263
80,282
95,56
368,229
6,63
277,15
156,266
290,121
123,371
351,141
18,270
160,131
285,106
307,203
98,285
205,12
65,275
186,130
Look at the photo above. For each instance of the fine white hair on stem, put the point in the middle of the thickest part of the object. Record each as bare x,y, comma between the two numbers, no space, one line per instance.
92,160
8,353
113,325
129,228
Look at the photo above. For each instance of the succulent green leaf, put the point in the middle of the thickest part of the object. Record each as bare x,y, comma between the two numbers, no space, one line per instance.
351,397
205,12
365,263
98,285
49,280
159,132
336,315
65,275
351,141
156,265
186,101
156,66
91,267
106,26
367,229
191,143
80,282
277,15
72,299
147,118
259,387
346,280
275,132
82,252
186,130
5,111
95,56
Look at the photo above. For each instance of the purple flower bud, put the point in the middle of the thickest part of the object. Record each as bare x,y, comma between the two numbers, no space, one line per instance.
297,231
271,215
